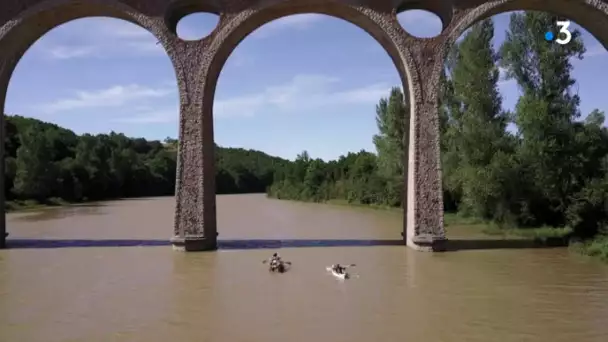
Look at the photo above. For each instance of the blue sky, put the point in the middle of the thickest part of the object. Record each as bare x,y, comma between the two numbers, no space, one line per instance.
305,82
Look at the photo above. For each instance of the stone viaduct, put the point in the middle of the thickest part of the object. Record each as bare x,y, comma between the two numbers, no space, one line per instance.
198,64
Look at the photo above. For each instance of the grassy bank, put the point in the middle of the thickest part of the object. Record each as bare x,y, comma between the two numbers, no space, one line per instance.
539,234
26,205
359,205
597,248
542,234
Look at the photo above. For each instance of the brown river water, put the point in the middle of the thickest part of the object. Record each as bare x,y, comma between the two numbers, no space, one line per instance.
106,273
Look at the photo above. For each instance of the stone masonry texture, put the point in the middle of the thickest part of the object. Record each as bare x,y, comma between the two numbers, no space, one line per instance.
198,65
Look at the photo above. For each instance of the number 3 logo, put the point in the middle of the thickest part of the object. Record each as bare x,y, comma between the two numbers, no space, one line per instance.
563,29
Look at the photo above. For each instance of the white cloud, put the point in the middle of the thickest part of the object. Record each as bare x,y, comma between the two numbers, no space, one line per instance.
151,117
303,92
99,38
65,52
368,94
115,96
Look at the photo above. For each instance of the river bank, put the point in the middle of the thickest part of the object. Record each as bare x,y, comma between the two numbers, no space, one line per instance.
597,248
33,205
541,236
17,206
14,206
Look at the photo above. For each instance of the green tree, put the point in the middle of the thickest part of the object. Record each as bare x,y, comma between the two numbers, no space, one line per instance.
544,115
477,126
392,140
314,180
104,166
34,176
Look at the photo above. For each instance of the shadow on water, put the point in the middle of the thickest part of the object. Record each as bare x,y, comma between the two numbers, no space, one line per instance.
222,244
453,245
481,244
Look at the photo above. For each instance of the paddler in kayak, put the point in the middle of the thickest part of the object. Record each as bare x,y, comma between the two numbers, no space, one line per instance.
275,259
341,269
276,263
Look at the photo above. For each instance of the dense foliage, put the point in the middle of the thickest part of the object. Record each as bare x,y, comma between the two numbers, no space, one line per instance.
536,166
44,161
362,177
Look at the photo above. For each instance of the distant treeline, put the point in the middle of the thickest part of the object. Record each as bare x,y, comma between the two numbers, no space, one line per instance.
44,161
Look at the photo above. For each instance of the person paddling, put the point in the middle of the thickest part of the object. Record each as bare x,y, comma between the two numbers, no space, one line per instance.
274,260
341,269
276,263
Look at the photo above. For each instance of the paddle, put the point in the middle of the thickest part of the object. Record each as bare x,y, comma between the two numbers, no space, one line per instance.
345,266
285,262
280,265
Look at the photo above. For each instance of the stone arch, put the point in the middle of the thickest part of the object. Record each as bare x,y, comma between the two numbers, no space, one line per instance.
592,15
21,26
382,27
19,33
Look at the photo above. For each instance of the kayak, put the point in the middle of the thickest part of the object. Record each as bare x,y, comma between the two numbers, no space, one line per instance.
336,274
281,267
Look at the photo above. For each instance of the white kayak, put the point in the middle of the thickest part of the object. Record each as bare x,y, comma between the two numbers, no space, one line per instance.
336,274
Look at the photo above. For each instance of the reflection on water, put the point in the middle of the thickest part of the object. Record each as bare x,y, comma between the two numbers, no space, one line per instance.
57,213
154,294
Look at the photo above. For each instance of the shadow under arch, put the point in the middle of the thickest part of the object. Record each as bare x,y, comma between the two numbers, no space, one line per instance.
25,27
232,30
591,15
